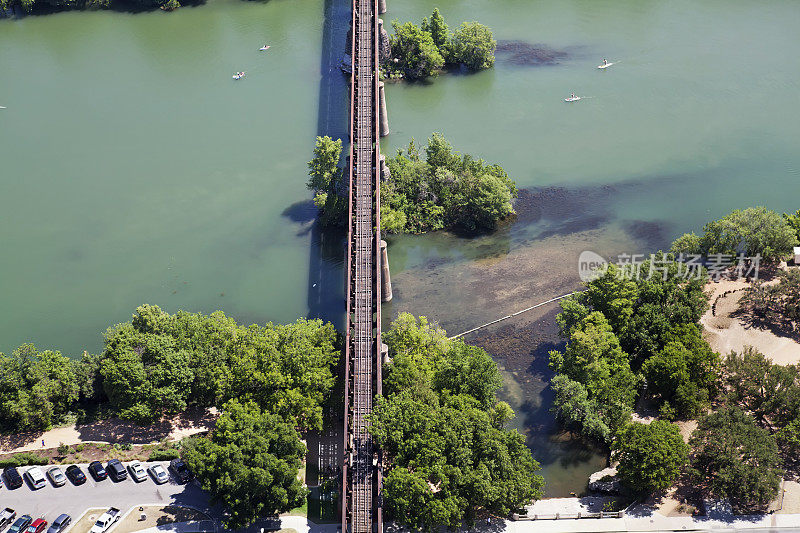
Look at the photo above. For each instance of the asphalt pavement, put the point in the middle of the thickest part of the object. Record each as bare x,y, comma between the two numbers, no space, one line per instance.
50,501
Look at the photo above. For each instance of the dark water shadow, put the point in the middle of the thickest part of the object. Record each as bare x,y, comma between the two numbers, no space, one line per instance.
525,54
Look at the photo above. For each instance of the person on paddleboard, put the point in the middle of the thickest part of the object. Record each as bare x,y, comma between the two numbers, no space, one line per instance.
605,61
573,95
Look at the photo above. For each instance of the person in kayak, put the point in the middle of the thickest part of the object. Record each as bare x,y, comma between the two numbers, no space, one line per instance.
573,95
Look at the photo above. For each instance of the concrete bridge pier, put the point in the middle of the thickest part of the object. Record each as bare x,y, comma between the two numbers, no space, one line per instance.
385,354
384,116
385,173
381,7
386,280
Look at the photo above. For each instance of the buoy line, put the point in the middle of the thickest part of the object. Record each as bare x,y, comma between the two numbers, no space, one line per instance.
551,300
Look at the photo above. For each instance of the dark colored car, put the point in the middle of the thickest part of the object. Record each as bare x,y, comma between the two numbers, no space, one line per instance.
60,524
181,471
13,479
97,471
116,470
21,524
37,526
76,475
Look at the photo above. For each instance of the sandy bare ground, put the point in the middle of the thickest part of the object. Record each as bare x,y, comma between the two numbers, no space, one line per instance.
113,430
726,333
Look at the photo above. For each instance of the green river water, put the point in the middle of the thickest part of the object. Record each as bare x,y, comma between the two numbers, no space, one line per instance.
134,169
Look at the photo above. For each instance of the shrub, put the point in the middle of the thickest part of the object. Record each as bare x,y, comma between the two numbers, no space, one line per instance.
63,449
165,455
24,459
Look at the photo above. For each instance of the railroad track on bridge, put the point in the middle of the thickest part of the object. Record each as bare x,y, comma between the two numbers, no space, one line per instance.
362,469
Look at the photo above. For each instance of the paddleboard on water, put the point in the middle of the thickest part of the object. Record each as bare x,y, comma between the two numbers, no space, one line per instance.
605,66
265,47
572,99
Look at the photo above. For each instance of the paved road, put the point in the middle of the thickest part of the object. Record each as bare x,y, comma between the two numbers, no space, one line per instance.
51,501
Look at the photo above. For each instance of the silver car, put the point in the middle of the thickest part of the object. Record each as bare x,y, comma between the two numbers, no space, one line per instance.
159,474
57,477
136,470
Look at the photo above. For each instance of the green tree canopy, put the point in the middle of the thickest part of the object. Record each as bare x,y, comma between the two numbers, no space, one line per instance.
444,190
249,463
36,388
438,29
751,231
158,363
473,46
734,458
594,358
650,456
442,428
417,54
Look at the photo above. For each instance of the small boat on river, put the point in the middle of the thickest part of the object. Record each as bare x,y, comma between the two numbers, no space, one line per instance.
238,75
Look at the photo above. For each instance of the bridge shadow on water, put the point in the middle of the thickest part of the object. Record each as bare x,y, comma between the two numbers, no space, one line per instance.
326,272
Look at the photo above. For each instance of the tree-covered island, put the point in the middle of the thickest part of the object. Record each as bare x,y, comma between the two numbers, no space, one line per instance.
418,52
425,191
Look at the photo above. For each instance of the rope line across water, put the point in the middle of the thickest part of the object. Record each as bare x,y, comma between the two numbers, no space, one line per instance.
551,300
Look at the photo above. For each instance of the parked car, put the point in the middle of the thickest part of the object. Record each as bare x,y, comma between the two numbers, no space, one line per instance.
19,526
60,524
6,517
137,471
56,476
97,471
13,479
116,470
76,475
37,526
105,521
180,470
160,475
36,477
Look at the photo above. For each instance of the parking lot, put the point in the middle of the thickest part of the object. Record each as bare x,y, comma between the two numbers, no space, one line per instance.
50,501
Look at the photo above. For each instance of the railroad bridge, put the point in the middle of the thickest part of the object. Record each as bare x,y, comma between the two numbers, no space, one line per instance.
367,273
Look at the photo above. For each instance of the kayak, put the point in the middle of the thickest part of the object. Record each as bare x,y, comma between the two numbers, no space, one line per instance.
572,99
604,66
238,75
265,47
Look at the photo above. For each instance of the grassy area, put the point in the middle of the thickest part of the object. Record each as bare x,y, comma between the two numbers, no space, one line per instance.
90,451
157,515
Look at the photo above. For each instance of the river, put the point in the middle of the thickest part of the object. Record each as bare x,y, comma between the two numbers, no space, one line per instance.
134,169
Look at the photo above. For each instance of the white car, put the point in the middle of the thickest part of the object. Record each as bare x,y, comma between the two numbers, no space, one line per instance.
105,521
137,472
159,474
36,477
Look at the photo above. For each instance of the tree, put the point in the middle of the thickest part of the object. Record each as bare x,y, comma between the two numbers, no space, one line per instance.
417,55
323,169
576,411
793,221
442,428
650,456
37,388
751,231
734,458
473,46
438,29
158,364
249,464
445,190
594,359
769,391
687,244
685,372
